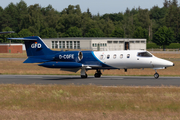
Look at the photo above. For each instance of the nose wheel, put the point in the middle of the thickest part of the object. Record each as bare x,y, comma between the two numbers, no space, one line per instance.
156,75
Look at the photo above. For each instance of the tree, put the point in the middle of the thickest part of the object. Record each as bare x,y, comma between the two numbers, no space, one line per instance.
163,37
94,32
25,33
73,32
118,33
172,19
48,33
141,33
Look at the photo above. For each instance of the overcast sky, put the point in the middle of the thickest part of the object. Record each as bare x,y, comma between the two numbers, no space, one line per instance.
95,6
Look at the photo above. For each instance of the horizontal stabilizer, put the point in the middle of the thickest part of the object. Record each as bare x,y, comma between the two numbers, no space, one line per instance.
34,60
22,39
8,32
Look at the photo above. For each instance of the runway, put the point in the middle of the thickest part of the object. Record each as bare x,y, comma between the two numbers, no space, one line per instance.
103,81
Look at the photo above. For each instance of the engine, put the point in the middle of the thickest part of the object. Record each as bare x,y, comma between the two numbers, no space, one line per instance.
61,65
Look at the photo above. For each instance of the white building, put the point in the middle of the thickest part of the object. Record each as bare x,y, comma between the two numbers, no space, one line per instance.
102,44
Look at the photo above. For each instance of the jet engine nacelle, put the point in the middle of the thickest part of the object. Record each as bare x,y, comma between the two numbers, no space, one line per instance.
71,56
61,65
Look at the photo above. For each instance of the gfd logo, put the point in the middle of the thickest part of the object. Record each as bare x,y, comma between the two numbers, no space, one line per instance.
36,45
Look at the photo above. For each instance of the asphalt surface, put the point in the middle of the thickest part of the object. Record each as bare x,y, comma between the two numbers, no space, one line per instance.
104,80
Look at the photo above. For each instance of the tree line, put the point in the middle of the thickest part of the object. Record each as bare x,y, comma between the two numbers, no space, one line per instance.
159,25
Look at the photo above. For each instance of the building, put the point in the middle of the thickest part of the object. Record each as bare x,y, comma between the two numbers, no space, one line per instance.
100,44
11,48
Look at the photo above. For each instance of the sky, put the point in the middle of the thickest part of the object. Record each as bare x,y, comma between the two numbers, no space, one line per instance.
95,6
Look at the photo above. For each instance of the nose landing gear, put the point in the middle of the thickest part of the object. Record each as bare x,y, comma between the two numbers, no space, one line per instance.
98,73
156,75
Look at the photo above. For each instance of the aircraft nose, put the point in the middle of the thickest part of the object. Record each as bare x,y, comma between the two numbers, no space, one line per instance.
173,64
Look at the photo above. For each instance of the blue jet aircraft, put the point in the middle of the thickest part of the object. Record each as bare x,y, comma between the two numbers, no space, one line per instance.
38,52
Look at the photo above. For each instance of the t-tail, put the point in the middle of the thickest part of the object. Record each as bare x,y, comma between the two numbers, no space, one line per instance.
37,51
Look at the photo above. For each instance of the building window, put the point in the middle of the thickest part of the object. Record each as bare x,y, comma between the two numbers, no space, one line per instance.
67,44
60,45
63,44
52,44
115,41
93,44
78,44
56,44
105,44
121,42
109,41
114,56
121,56
128,55
71,45
131,41
143,42
108,56
137,41
75,46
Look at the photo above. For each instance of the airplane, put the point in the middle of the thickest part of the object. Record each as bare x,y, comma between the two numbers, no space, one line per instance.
73,61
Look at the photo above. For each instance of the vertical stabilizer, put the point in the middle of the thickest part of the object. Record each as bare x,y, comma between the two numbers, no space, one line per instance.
35,46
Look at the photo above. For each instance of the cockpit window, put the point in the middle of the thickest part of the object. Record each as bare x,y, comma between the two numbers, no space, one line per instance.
144,54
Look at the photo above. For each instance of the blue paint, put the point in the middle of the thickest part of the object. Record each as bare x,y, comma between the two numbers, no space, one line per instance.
61,65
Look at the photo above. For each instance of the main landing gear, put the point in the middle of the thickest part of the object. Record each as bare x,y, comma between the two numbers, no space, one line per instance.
156,75
84,76
98,73
83,73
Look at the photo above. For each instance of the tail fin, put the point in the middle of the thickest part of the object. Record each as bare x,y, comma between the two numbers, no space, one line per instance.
35,46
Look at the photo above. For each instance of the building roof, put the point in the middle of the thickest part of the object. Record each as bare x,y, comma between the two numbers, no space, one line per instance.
91,38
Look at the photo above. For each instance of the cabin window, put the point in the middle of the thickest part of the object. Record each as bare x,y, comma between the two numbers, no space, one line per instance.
108,56
128,55
114,56
144,54
121,56
102,57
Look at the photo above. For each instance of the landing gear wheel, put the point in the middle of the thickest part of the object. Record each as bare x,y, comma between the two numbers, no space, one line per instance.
98,73
84,76
156,75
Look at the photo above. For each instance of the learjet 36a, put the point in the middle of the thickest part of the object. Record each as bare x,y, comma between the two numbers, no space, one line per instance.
38,52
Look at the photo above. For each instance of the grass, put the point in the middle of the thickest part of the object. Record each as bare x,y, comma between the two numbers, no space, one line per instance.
88,102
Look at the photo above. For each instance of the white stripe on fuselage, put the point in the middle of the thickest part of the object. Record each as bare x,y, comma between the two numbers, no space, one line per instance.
130,59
